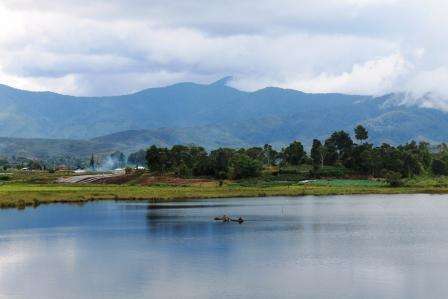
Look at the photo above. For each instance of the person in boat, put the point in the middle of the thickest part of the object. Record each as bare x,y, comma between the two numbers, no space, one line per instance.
239,220
224,218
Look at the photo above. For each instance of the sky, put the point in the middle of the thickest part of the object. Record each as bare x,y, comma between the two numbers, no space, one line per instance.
113,47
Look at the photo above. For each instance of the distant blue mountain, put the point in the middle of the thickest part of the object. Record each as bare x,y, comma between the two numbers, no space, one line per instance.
212,115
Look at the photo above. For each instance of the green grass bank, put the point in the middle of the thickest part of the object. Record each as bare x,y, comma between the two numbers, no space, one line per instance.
23,194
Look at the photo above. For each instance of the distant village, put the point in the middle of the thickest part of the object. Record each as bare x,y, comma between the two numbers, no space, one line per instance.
116,162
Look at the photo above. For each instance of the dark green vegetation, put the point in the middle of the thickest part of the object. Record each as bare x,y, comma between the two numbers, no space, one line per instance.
337,156
195,161
212,115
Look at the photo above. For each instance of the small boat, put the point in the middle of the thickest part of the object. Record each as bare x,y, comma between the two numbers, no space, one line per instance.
226,218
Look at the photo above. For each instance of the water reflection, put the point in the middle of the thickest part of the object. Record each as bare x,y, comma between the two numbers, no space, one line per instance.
324,247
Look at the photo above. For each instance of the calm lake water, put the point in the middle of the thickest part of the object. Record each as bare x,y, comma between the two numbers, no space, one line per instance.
307,247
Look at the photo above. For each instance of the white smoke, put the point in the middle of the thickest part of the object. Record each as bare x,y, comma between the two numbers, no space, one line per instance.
109,163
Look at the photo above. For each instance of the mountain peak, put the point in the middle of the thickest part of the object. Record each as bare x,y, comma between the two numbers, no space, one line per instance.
222,82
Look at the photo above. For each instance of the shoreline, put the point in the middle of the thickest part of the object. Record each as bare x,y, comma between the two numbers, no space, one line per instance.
20,196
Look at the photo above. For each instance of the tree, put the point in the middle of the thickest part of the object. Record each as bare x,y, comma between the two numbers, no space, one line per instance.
439,167
220,162
411,165
367,159
255,153
317,154
92,162
114,160
294,153
420,151
118,159
201,162
203,167
122,160
244,166
158,159
331,153
442,151
183,170
363,159
390,158
342,142
137,158
361,133
270,154
424,154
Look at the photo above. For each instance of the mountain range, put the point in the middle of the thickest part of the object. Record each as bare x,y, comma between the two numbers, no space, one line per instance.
41,124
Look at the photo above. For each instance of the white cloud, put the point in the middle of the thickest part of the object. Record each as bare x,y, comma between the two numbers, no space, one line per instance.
114,47
371,77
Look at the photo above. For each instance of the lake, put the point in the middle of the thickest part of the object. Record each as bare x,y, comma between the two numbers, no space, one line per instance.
376,246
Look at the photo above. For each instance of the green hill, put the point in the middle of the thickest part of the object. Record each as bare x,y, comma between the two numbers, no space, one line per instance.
211,115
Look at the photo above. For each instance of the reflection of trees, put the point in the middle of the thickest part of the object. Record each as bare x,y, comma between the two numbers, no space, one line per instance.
180,222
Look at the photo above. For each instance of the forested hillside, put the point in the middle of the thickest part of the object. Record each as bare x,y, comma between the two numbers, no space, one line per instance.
212,115
269,115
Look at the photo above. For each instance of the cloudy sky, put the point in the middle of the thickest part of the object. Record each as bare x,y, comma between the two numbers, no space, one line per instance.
87,47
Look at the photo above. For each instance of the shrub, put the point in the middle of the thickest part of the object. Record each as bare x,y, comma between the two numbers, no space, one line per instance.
221,175
183,171
289,170
21,204
4,178
394,179
330,171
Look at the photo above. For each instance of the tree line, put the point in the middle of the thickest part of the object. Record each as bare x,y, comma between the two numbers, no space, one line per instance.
339,149
337,155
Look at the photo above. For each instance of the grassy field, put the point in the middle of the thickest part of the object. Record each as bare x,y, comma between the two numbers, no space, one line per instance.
20,194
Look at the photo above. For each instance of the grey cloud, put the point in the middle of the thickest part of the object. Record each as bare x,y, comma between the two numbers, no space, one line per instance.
116,46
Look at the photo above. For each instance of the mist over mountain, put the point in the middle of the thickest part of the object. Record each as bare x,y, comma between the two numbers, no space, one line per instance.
211,115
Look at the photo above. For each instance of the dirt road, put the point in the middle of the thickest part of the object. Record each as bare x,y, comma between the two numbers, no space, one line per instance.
87,178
